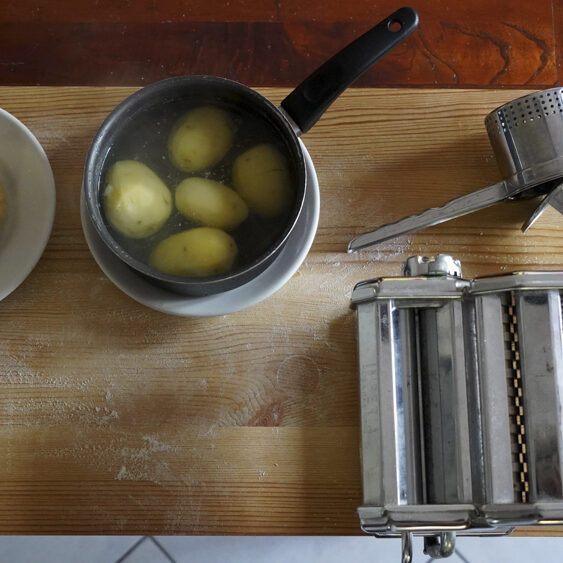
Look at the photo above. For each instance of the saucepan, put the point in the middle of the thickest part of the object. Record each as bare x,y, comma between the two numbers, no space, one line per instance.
139,131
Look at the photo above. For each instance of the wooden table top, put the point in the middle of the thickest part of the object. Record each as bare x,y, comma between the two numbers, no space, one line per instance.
276,43
119,419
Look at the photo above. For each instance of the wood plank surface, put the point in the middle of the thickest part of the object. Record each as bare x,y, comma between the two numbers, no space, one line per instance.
118,419
459,44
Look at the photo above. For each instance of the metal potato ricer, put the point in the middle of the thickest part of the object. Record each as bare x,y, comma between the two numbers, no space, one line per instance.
527,139
461,390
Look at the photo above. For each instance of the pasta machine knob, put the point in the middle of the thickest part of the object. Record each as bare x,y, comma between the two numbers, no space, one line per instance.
438,265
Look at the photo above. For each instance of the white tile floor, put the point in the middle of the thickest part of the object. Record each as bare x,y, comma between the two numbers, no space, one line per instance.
172,549
63,549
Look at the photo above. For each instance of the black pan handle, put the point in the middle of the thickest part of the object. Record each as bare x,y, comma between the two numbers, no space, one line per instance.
313,96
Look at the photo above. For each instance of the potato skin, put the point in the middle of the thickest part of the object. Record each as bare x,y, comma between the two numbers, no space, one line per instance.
261,176
200,138
137,203
203,251
210,203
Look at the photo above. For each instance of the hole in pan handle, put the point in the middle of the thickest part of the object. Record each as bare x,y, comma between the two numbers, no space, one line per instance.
315,94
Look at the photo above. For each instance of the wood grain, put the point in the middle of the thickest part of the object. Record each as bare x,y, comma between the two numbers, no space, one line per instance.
481,43
118,419
558,28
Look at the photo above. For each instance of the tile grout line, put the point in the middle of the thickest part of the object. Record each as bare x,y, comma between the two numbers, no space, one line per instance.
461,556
161,547
456,552
131,549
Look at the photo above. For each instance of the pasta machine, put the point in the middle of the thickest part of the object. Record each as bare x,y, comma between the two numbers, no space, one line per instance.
461,389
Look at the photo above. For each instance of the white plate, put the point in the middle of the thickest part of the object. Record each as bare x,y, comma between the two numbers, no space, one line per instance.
27,180
264,285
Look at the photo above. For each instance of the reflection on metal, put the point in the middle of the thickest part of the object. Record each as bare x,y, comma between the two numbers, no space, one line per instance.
461,389
407,547
440,546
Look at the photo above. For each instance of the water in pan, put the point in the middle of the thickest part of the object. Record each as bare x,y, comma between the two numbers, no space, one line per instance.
144,138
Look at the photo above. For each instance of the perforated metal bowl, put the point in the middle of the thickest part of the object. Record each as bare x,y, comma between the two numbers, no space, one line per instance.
527,132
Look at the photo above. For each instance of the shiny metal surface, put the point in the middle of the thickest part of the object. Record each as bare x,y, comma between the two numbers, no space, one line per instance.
461,387
539,321
439,265
473,201
444,404
495,422
406,551
440,546
554,198
527,139
527,131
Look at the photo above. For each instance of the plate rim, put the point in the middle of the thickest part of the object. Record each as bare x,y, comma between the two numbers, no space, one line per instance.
171,303
25,266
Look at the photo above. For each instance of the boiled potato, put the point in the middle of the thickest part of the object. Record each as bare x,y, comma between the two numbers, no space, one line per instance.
261,177
210,203
136,201
203,251
201,138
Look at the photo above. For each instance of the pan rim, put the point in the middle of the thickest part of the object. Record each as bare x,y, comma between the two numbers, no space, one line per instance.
98,150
